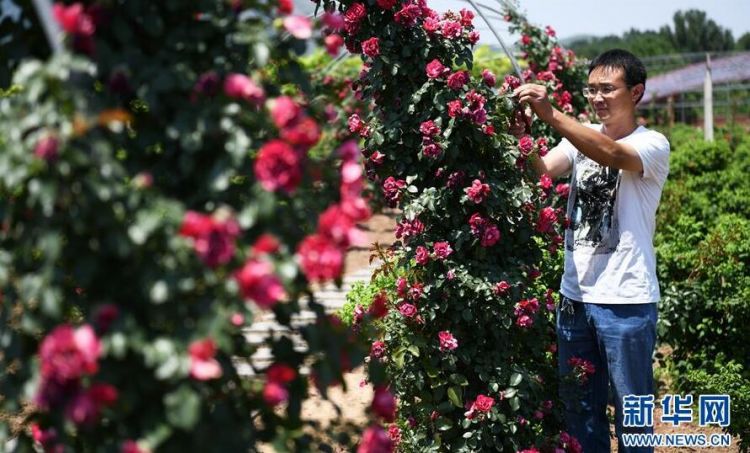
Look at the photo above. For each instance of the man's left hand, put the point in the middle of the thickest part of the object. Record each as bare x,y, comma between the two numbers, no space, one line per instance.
536,97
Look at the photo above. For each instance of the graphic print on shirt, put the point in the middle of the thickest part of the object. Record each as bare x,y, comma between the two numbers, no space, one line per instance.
592,208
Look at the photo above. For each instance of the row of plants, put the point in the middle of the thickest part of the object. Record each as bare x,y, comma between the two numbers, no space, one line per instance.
476,239
163,179
703,258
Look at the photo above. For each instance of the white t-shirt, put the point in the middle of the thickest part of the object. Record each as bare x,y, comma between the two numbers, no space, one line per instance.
609,252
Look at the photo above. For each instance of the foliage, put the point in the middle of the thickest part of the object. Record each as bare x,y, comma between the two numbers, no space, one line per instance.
703,263
151,181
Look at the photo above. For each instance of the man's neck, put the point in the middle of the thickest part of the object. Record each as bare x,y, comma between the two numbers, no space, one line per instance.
619,130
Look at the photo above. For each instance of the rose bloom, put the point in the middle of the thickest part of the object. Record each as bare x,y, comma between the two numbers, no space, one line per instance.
478,191
333,43
422,255
203,365
371,47
67,354
484,403
47,148
435,69
355,13
526,145
285,6
407,310
502,288
384,404
451,29
455,179
457,80
377,349
336,225
266,244
512,82
431,25
408,15
524,321
546,220
278,167
525,40
392,190
379,305
375,440
240,86
303,132
562,189
467,17
333,21
447,341
355,123
432,150
386,4
280,373
429,128
489,78
394,432
442,250
490,236
477,224
213,239
377,157
284,110
73,19
275,393
298,26
474,37
455,108
416,290
258,283
545,182
320,258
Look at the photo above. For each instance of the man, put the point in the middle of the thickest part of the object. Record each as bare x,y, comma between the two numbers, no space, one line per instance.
607,315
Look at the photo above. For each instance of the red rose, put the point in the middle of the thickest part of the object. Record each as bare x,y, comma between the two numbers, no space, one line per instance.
511,82
257,282
285,6
266,244
431,25
275,393
304,132
334,22
336,225
502,288
73,19
278,166
240,86
392,190
67,354
545,182
407,310
478,191
355,13
467,16
455,108
375,440
451,29
203,365
213,237
488,77
550,31
484,403
562,189
377,349
429,129
490,236
320,258
474,37
457,80
280,373
442,250
436,69
284,110
432,150
526,145
447,341
379,305
47,148
422,255
407,15
86,405
546,220
386,4
333,44
371,47
525,40
384,404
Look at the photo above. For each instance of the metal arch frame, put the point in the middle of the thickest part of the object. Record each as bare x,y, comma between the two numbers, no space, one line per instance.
51,28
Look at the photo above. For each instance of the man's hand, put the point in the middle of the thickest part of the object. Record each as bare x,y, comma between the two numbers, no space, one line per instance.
520,124
536,97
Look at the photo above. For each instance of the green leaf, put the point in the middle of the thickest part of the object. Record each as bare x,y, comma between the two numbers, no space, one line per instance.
182,407
515,379
398,357
413,350
454,395
443,424
459,379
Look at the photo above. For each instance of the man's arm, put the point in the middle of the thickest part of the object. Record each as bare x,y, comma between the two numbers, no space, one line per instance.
595,145
554,164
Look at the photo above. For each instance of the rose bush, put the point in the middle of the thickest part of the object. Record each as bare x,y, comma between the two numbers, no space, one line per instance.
160,185
468,339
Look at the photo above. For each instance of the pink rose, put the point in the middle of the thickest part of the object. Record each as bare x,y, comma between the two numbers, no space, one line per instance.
474,37
484,403
490,236
394,433
67,354
511,82
333,44
392,190
298,26
274,393
213,238
85,407
407,15
550,31
355,123
489,78
431,25
377,157
408,310
467,16
266,244
455,108
442,250
545,182
73,19
451,29
278,166
525,40
334,22
422,255
457,80
47,148
562,189
501,288
284,110
258,283
478,191
371,47
429,129
436,69
336,225
240,86
447,341
303,132
320,258
546,220
384,404
375,440
526,145
203,365
377,349
432,150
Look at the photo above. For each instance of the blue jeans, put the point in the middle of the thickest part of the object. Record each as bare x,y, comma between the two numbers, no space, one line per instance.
619,341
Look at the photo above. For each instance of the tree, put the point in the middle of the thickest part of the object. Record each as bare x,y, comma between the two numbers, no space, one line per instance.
743,42
694,32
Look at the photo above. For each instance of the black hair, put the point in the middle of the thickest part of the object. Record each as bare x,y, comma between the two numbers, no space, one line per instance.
635,71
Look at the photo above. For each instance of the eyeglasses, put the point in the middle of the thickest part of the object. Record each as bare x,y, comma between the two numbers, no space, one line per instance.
605,91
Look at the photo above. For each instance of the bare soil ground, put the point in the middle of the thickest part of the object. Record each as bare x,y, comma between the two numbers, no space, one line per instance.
354,403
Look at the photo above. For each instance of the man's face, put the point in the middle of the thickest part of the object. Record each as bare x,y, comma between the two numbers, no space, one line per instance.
613,100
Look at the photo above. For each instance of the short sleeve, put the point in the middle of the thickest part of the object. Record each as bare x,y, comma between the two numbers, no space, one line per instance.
653,149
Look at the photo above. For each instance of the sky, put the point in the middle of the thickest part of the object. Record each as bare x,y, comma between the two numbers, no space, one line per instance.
591,17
